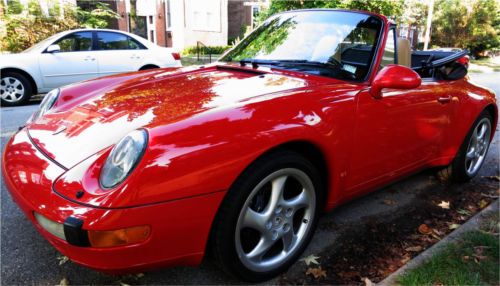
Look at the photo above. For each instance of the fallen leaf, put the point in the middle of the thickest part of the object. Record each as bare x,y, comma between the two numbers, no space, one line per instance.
454,226
389,203
444,205
316,272
62,259
414,248
64,282
494,178
435,236
139,275
483,204
367,281
405,259
311,259
123,283
424,229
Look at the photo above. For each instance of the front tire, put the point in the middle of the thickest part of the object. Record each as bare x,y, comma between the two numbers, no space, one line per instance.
268,217
472,153
15,89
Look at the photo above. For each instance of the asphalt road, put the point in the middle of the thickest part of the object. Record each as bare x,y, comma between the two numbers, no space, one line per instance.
26,258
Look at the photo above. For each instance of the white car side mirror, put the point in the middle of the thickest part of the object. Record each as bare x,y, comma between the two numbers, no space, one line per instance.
53,49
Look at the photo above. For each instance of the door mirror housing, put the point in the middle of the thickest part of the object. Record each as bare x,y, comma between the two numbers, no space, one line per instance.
394,76
53,49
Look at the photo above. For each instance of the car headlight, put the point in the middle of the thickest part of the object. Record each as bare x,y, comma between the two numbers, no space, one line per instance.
123,158
47,103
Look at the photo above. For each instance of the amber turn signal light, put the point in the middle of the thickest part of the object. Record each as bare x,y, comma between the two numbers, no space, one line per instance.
119,237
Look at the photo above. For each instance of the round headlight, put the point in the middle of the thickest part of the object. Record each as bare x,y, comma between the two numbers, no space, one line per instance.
123,158
48,101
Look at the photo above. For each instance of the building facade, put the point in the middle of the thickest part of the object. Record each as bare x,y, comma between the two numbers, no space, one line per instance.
183,23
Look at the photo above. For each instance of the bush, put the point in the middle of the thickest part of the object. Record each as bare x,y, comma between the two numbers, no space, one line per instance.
23,30
214,50
24,26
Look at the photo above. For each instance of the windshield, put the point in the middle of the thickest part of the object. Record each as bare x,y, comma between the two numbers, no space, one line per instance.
338,44
41,44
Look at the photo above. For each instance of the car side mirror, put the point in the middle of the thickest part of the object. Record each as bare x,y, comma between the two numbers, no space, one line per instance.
394,76
53,49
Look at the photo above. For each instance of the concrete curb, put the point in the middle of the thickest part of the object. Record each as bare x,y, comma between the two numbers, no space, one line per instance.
471,224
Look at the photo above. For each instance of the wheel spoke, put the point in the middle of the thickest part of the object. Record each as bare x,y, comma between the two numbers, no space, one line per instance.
481,131
278,185
299,201
254,220
289,239
261,248
470,154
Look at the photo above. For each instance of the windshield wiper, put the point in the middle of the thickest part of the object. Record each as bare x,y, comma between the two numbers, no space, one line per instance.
256,62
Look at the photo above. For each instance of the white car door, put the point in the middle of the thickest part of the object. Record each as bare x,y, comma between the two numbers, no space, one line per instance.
74,62
118,53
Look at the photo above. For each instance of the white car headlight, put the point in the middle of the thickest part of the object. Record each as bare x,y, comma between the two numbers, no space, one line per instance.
123,158
47,103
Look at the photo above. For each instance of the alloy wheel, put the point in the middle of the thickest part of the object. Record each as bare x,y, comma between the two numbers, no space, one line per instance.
275,219
11,89
478,146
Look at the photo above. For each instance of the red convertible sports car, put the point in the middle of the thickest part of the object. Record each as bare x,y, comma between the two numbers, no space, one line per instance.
314,108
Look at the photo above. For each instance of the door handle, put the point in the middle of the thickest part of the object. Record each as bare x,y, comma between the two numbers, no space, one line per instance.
89,58
444,99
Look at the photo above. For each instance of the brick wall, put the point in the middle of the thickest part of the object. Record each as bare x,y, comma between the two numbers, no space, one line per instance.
160,24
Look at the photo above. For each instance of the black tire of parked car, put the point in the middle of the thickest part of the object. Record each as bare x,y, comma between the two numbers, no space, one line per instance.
456,171
223,241
26,85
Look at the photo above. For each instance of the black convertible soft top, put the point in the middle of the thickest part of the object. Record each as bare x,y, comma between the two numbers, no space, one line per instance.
439,64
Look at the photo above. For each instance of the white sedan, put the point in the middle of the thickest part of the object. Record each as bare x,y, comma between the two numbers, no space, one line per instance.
77,55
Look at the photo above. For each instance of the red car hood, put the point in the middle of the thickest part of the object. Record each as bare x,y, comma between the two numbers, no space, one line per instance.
104,115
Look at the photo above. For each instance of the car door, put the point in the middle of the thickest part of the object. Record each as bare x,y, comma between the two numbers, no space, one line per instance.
398,133
74,62
118,53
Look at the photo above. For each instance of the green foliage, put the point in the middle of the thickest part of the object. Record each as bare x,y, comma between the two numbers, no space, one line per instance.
389,8
26,26
475,27
214,50
96,18
25,29
471,261
14,7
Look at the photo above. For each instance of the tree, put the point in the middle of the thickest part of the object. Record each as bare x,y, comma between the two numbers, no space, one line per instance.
24,26
389,8
98,17
472,25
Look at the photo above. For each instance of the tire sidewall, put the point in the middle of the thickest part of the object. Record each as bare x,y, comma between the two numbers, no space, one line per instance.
27,89
236,198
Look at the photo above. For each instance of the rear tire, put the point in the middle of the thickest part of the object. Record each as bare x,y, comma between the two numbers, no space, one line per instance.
268,217
15,89
472,152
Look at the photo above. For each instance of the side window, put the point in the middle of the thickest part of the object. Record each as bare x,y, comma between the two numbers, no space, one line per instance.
389,56
115,41
76,42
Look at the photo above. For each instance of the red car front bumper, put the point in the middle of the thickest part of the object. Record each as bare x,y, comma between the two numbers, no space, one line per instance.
179,229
